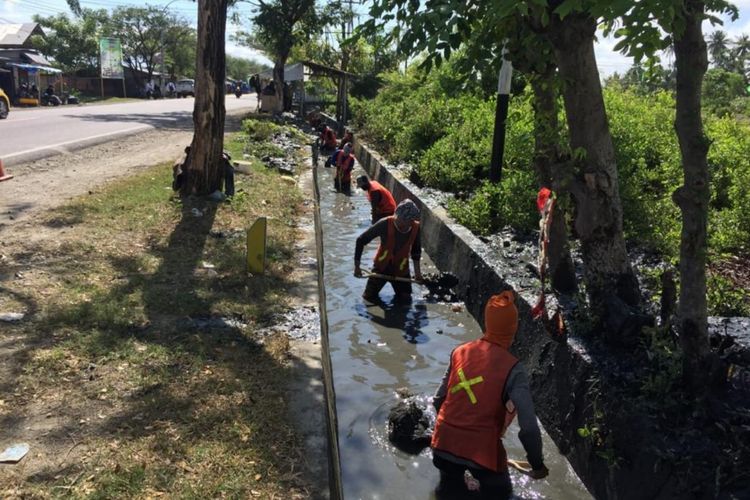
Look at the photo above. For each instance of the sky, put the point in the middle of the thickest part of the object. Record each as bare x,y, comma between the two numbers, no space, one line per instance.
19,11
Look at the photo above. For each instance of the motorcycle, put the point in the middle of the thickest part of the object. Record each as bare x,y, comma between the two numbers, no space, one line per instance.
238,93
50,100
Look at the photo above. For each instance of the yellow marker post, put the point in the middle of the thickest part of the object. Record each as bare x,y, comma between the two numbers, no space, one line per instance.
256,247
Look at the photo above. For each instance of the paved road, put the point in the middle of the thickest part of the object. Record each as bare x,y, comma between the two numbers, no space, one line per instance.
28,135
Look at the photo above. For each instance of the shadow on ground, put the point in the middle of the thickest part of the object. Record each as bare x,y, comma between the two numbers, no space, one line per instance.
215,389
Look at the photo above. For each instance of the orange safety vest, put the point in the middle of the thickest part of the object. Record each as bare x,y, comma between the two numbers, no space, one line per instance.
344,165
329,138
387,254
471,420
387,204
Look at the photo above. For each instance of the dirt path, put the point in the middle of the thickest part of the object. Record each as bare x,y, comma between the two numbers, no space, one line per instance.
49,182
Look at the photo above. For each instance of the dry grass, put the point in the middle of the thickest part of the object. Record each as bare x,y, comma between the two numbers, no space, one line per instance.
119,390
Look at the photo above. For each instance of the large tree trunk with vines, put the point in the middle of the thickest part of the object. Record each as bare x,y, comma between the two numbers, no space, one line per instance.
205,173
610,281
693,197
552,171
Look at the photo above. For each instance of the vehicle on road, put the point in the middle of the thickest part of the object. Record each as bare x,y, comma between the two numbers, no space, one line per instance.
185,88
4,105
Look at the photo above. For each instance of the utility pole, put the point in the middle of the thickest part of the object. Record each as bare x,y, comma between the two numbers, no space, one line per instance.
501,116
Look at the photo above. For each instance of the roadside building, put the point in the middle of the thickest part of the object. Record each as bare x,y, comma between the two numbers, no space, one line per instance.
20,63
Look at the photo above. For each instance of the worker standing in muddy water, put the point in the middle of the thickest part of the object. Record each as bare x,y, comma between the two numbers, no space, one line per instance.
381,200
399,239
342,181
482,388
328,141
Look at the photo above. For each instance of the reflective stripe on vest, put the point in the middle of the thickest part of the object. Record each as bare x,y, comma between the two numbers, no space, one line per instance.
471,420
387,253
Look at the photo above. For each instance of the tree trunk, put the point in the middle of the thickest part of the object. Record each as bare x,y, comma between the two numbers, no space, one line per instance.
552,172
693,197
204,166
610,282
278,79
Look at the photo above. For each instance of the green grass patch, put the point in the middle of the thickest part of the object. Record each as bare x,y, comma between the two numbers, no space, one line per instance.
145,341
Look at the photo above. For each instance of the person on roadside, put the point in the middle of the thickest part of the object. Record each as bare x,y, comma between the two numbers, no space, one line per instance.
483,388
342,181
399,239
327,138
381,200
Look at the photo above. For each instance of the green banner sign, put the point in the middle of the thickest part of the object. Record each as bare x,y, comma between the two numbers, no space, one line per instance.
110,57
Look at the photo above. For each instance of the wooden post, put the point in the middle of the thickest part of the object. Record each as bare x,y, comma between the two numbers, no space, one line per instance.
124,92
101,80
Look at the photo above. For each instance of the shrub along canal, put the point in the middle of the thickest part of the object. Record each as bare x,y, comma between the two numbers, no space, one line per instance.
377,349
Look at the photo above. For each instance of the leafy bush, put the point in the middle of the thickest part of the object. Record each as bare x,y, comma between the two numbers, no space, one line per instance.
725,298
260,130
493,206
720,88
648,164
446,135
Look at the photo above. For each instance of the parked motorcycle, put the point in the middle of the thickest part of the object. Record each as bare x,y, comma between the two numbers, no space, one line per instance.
47,99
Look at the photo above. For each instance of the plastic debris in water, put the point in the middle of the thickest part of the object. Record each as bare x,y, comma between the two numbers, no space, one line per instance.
13,454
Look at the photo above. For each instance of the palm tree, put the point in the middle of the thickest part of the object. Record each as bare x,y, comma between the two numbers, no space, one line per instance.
741,52
718,48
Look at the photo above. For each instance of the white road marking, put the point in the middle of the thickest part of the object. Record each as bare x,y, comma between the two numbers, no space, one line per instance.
14,120
62,144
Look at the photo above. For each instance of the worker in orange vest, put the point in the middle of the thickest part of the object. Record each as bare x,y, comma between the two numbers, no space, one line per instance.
381,200
482,389
342,180
327,138
399,240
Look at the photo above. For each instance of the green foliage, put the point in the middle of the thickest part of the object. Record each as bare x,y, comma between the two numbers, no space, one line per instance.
729,164
720,88
260,130
649,166
725,298
72,44
446,134
145,32
239,68
665,364
493,206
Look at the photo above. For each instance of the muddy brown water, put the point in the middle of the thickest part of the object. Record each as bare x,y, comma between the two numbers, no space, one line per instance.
378,349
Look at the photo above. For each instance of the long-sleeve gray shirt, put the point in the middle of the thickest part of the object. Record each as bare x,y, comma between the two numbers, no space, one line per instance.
516,390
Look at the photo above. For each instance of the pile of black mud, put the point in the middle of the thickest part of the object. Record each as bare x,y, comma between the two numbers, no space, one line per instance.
440,287
409,426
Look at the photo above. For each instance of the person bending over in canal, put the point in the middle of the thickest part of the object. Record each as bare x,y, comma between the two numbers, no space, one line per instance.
399,238
483,386
327,138
344,166
383,204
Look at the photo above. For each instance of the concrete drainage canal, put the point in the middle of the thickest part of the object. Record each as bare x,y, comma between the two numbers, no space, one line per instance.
377,350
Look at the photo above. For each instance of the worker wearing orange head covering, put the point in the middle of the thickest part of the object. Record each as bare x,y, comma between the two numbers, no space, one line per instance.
501,319
482,387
